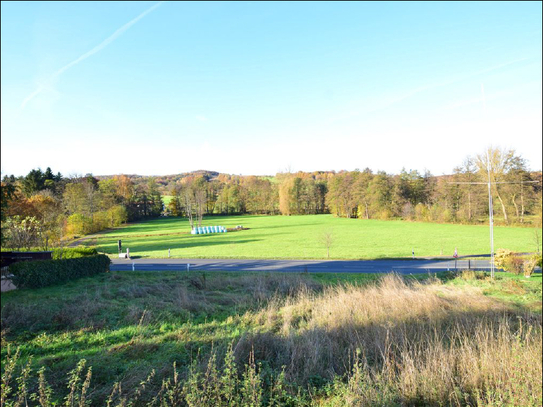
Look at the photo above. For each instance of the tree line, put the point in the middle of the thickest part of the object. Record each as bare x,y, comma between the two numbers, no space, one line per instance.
53,207
461,197
41,209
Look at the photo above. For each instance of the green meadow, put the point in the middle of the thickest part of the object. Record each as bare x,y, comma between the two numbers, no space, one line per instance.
300,237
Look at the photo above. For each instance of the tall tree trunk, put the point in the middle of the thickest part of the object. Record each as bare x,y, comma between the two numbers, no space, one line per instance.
503,206
521,202
469,205
188,210
513,199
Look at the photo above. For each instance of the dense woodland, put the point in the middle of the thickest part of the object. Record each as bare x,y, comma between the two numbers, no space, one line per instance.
42,208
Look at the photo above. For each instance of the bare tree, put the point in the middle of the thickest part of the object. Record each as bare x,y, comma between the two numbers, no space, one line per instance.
188,203
23,233
200,196
194,196
494,165
327,239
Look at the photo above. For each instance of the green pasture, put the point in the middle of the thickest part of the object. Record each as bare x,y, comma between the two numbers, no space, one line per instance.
300,237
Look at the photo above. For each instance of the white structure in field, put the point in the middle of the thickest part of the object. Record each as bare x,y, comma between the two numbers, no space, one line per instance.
207,230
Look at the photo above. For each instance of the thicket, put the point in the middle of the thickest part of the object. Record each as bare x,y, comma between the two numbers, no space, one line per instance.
43,273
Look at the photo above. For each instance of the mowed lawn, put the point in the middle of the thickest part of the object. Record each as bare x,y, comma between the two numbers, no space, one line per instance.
300,237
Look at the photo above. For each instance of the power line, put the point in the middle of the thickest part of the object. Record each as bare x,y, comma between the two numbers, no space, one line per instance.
495,182
491,208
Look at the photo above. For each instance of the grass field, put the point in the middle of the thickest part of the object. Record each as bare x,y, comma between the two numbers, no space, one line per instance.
299,237
296,339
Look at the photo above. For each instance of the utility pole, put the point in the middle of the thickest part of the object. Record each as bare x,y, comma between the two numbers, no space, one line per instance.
491,210
490,218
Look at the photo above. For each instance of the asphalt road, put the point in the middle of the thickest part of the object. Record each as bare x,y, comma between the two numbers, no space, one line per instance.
311,266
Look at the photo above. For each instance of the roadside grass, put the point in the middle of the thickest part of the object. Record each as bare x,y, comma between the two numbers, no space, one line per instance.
293,339
516,290
299,237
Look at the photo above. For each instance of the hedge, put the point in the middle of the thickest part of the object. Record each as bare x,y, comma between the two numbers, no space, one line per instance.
73,252
57,252
42,273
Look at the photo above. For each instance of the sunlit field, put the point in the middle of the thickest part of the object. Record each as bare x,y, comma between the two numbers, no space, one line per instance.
300,237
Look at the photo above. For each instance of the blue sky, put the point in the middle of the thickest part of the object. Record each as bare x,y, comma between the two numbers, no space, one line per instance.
256,88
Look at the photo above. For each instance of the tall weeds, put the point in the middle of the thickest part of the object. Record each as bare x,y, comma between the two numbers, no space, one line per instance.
392,343
422,343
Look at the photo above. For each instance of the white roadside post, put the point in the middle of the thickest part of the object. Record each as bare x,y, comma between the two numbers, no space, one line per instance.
188,267
133,266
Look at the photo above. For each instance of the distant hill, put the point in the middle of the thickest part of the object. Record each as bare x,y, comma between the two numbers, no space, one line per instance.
210,174
165,182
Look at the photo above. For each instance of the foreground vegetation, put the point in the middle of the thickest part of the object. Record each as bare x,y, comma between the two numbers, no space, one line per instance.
171,338
302,237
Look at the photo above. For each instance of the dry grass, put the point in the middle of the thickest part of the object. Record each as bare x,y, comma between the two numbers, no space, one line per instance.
422,343
391,343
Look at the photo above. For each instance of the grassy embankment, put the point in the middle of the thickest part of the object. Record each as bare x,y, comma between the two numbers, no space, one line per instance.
299,339
273,237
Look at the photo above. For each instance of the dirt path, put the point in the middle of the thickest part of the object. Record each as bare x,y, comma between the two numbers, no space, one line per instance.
77,242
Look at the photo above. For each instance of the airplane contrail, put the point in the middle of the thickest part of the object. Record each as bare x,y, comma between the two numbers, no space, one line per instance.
93,51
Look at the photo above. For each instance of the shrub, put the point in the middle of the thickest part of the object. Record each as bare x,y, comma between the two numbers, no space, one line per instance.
117,215
530,264
35,274
407,211
73,252
501,256
539,259
99,221
422,213
385,214
514,264
473,275
509,261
